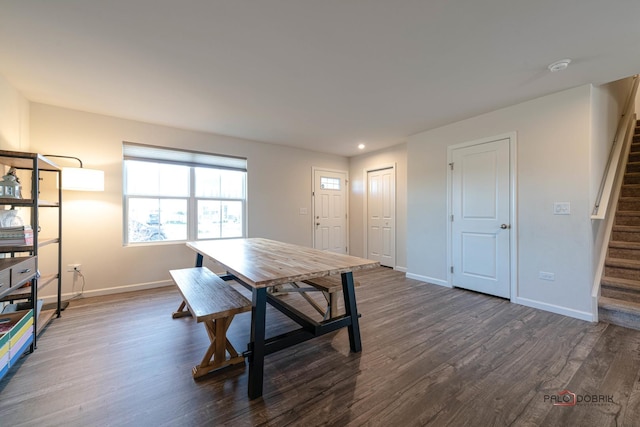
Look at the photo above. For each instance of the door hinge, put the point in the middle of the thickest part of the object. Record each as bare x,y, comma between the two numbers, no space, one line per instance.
452,268
451,217
451,165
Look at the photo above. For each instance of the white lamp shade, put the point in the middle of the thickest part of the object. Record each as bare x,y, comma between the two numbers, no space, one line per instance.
82,179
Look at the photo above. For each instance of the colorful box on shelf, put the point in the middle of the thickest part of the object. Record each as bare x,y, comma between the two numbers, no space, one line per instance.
16,335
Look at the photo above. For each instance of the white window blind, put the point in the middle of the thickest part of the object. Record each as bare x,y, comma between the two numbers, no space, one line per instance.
134,151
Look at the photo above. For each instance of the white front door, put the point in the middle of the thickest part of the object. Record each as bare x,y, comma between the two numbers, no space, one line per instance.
481,218
330,210
381,216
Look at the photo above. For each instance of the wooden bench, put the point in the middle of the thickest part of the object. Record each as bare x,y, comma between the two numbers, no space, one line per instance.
330,286
213,302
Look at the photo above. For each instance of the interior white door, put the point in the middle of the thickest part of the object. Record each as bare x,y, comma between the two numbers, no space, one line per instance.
330,214
381,216
481,214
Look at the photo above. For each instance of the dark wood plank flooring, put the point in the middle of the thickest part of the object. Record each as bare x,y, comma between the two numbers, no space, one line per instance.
431,356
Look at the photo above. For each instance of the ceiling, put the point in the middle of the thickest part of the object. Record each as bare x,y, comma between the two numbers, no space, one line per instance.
323,75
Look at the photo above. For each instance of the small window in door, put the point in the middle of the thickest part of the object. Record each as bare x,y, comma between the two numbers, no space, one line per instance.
327,183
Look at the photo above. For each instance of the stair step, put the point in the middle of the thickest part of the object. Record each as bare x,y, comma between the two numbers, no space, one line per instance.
611,303
622,268
632,178
634,166
628,213
627,228
622,289
618,312
623,245
625,284
627,218
630,190
622,263
626,250
621,294
629,203
626,233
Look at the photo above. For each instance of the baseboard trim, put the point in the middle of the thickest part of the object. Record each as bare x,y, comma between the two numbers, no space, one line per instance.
400,269
428,279
110,291
582,315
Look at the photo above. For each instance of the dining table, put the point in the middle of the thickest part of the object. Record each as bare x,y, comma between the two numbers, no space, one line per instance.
259,264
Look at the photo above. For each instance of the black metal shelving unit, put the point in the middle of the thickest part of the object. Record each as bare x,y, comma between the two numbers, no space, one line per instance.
41,169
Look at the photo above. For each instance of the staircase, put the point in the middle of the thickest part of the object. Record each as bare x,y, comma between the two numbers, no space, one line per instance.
620,286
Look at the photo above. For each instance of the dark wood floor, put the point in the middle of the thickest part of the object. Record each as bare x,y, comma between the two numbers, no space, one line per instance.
431,356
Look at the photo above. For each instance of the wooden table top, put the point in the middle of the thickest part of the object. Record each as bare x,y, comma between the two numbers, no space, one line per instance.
262,262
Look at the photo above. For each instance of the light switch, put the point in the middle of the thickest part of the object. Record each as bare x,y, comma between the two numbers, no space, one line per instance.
303,211
562,208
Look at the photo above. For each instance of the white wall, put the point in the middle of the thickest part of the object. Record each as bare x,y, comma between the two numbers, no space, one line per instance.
396,155
279,184
14,118
607,105
553,164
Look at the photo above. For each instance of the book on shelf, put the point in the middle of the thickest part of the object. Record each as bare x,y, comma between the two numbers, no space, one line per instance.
22,235
17,229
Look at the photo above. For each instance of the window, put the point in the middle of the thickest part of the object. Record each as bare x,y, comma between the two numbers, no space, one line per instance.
175,195
327,183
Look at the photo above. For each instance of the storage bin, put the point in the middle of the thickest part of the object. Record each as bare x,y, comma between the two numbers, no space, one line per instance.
16,335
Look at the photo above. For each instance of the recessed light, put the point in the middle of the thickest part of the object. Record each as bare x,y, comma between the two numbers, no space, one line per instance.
361,146
559,65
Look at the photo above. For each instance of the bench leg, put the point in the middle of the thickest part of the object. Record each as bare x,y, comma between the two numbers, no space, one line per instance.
215,356
333,305
181,312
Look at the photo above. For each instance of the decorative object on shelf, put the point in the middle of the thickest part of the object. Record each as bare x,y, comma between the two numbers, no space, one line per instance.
80,179
10,218
10,185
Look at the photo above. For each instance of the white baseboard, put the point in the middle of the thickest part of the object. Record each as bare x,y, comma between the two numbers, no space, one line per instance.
582,315
428,279
400,269
113,290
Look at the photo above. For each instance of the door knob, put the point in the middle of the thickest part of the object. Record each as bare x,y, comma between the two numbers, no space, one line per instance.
505,226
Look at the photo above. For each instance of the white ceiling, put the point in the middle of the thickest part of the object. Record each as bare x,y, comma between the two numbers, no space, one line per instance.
319,74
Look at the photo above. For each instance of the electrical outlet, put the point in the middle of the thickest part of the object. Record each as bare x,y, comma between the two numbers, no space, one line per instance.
73,268
545,275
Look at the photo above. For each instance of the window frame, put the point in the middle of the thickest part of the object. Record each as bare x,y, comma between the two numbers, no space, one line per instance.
183,158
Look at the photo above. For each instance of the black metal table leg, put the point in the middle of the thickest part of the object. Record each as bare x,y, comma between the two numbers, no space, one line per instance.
256,360
348,289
